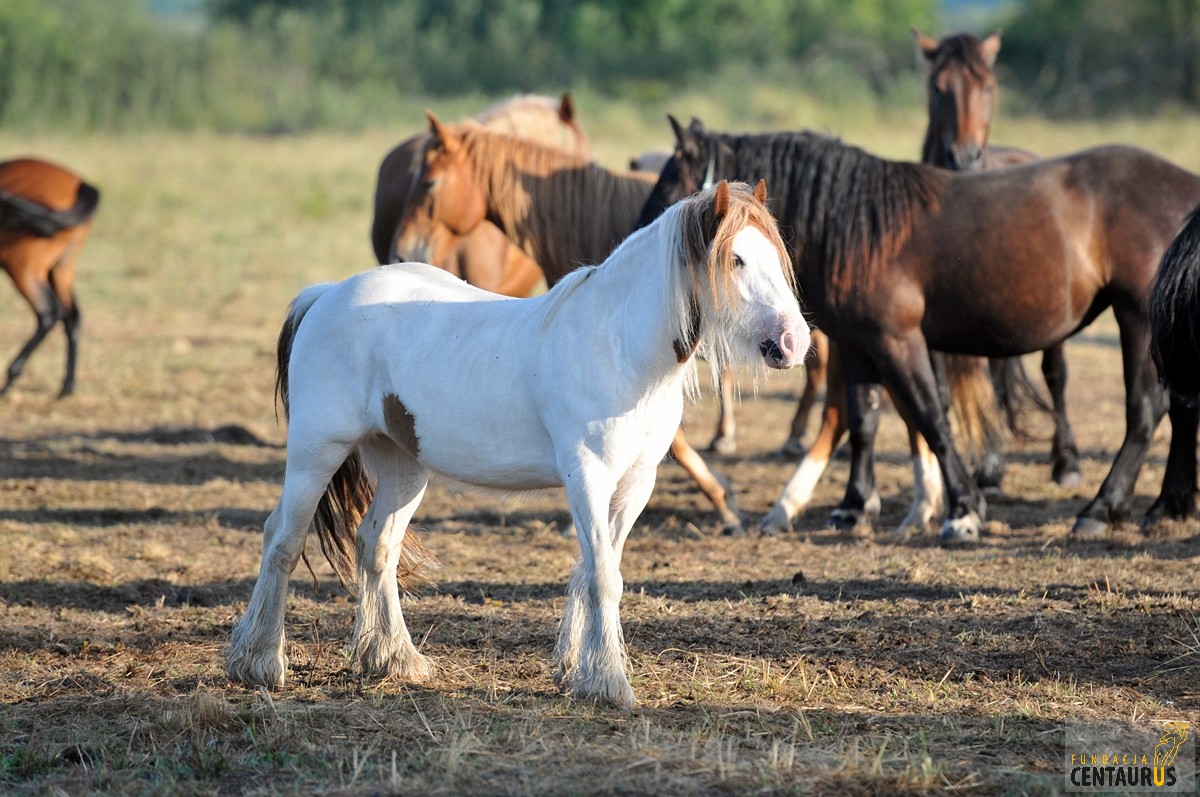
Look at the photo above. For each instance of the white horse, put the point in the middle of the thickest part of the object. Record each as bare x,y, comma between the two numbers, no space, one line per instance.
404,370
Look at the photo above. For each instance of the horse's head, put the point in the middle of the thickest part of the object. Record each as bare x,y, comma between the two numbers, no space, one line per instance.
962,89
695,164
750,285
446,201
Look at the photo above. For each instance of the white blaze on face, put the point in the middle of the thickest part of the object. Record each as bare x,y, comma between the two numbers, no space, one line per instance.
771,310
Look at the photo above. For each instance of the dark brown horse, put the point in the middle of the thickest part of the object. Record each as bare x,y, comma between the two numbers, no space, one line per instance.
484,258
45,216
894,259
963,94
562,210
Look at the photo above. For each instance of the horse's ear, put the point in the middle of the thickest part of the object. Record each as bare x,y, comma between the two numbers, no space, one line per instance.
442,136
721,200
696,126
566,108
760,191
990,48
928,46
686,141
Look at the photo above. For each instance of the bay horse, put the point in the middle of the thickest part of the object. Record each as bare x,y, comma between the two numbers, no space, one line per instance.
561,210
963,93
895,259
45,216
582,387
484,258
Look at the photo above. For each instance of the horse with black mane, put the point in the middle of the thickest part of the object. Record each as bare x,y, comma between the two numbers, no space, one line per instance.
894,259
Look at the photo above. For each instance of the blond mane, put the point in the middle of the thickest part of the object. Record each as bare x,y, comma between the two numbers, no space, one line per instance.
538,118
563,210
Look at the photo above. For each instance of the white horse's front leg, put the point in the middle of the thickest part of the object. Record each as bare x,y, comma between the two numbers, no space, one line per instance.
591,649
382,643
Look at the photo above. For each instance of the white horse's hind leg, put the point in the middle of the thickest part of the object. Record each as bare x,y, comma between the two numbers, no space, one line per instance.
256,653
592,623
382,643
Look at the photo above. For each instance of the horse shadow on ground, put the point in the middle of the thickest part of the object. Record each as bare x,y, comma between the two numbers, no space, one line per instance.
77,457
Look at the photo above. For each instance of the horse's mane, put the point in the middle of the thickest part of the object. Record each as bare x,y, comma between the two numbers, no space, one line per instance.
536,117
843,212
961,48
563,210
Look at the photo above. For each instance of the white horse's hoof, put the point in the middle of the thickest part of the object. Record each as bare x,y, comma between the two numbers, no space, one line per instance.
960,531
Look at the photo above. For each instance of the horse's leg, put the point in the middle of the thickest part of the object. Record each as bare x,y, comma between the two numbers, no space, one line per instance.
382,643
929,499
630,499
816,374
725,440
1063,451
36,289
908,372
716,487
799,490
860,504
256,653
62,280
592,623
1177,499
1145,403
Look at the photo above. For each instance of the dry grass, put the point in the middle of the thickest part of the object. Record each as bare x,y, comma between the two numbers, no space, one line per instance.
813,663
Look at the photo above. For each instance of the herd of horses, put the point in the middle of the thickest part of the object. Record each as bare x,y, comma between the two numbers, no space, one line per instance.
928,280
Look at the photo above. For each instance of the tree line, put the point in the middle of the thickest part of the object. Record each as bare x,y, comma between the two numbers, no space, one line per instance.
279,65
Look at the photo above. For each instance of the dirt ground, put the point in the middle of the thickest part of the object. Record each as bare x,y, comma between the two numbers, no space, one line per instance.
815,662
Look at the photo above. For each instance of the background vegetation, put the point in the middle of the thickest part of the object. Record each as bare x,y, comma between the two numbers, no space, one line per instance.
290,65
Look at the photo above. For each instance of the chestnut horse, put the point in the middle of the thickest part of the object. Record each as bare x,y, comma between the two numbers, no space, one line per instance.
485,258
963,92
894,259
562,210
45,216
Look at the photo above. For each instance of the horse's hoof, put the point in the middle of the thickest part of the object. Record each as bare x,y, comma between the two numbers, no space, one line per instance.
1087,528
793,449
733,529
844,520
957,532
725,446
1069,479
776,522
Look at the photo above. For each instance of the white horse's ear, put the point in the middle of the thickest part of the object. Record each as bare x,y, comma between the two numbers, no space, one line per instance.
443,138
928,46
760,191
721,200
990,47
566,108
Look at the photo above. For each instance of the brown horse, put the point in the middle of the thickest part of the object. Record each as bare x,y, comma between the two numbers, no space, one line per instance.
895,259
963,93
562,210
45,216
485,258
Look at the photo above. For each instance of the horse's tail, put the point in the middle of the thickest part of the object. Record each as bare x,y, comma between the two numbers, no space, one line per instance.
351,490
973,402
33,218
1175,311
1016,393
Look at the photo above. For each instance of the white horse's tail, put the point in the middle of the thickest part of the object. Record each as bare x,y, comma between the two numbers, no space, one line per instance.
349,493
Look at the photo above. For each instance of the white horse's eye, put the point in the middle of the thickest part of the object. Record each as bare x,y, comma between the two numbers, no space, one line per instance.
737,261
